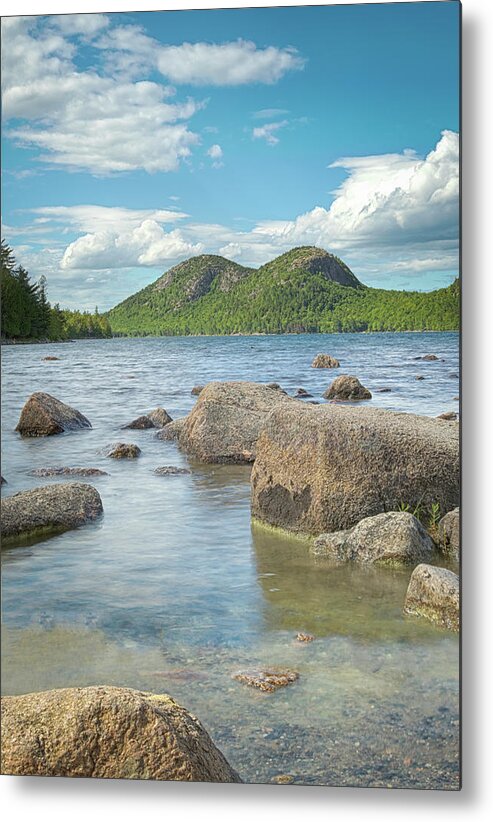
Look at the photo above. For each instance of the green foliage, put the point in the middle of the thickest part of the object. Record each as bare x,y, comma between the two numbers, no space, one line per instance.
292,294
26,313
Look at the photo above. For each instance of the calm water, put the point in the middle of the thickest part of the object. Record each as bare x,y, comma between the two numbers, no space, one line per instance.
173,591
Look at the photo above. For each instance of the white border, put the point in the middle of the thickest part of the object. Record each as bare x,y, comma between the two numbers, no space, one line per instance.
77,800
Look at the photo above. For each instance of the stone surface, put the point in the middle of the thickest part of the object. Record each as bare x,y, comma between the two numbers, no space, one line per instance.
449,534
433,593
113,733
301,637
347,388
330,545
140,424
224,424
268,680
51,508
324,468
302,392
325,361
159,417
44,415
448,415
67,472
170,470
197,389
172,430
123,451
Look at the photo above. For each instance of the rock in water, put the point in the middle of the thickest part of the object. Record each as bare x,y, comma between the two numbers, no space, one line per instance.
196,390
324,468
448,415
393,538
107,732
172,430
347,388
44,415
51,508
267,680
449,531
123,451
140,424
325,361
67,472
433,593
170,470
159,417
224,424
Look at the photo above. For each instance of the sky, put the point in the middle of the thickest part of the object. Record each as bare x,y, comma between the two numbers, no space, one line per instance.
132,141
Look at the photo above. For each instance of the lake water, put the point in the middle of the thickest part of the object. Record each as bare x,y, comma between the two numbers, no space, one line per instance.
173,591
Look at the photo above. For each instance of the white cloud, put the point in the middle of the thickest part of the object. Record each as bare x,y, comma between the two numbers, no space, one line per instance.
269,113
86,25
215,152
94,218
226,64
267,132
146,245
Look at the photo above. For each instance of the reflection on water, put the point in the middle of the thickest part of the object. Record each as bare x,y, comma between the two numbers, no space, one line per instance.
174,591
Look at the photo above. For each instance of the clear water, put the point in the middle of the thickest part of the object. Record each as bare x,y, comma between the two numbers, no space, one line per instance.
173,591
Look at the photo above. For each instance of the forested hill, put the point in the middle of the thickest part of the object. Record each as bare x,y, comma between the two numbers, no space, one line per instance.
305,290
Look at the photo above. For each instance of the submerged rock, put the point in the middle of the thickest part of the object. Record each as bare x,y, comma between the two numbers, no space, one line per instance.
276,387
448,415
331,545
449,534
197,389
67,472
44,415
107,732
51,508
324,468
3,481
384,390
224,425
123,451
433,593
50,359
427,358
154,419
170,470
301,392
419,377
347,388
267,680
325,361
301,637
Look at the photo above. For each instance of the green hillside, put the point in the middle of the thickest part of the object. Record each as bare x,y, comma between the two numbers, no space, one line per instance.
305,290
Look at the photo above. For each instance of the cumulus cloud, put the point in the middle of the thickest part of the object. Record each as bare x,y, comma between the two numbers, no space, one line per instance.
95,218
267,132
215,152
146,245
86,25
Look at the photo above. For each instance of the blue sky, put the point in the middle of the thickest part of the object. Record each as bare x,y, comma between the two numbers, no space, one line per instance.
133,141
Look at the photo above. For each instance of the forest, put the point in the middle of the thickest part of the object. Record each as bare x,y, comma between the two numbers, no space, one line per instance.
26,313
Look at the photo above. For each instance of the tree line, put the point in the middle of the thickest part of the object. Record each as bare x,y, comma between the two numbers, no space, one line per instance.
26,313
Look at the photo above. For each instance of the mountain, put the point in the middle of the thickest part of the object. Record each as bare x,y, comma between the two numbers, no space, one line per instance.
305,290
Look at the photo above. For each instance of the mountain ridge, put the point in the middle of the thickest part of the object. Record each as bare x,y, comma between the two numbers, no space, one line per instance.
304,290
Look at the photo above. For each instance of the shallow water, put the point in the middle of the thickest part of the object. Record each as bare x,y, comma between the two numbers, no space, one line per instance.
173,591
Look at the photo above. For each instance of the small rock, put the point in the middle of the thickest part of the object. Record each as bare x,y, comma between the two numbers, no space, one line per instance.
276,387
456,399
67,472
427,358
34,513
301,637
454,376
140,424
50,359
123,450
44,416
159,417
448,415
197,389
330,545
302,393
267,680
325,361
383,390
170,470
449,534
433,593
347,388
419,377
283,779
3,480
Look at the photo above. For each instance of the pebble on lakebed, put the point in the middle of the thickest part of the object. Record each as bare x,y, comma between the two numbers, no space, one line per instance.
170,470
266,680
301,637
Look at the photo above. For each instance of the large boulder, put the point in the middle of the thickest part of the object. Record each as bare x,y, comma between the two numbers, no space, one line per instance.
325,361
434,593
51,508
325,468
225,422
44,415
347,388
393,538
113,733
449,534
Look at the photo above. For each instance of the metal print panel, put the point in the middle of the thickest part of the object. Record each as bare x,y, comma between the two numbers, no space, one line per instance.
230,407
